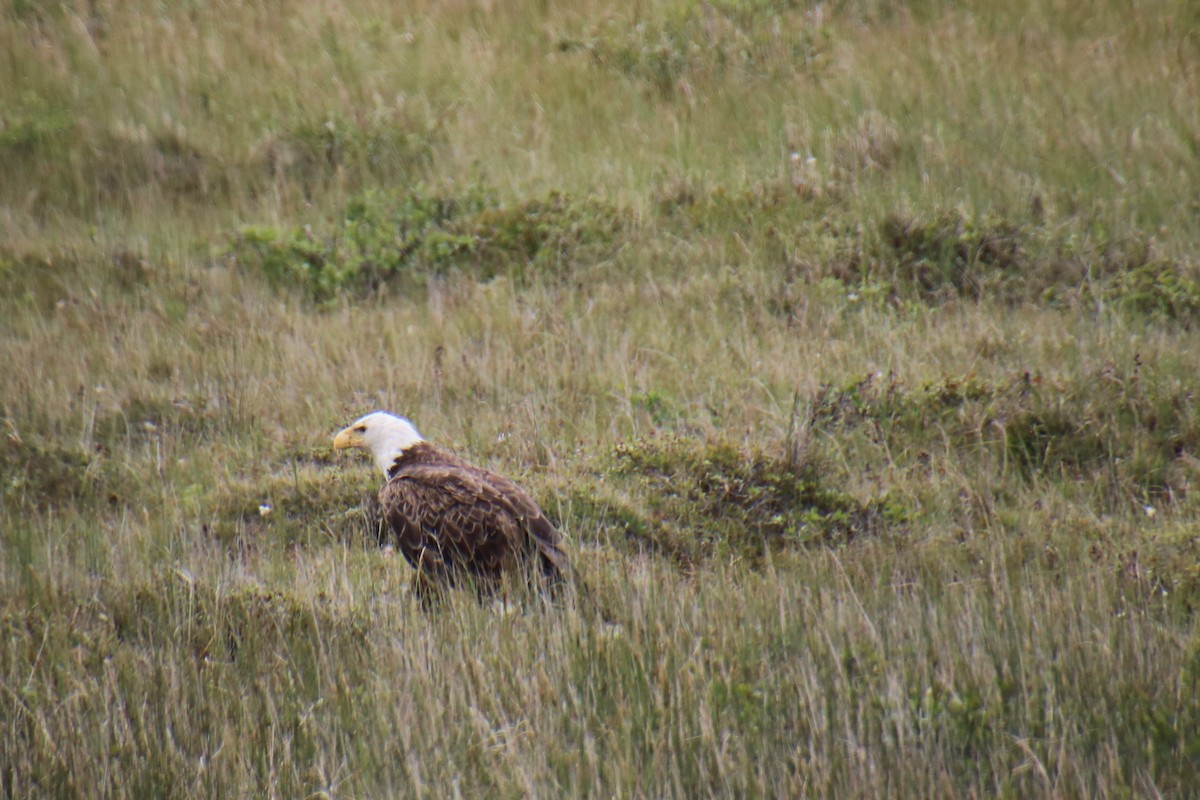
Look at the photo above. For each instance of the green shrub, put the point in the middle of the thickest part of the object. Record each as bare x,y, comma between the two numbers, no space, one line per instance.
1160,289
385,239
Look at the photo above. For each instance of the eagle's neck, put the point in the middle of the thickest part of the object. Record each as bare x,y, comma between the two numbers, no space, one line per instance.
419,453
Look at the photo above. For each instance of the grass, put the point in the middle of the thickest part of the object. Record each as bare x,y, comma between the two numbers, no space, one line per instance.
849,345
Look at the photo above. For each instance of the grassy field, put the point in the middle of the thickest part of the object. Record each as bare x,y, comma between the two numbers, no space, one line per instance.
852,346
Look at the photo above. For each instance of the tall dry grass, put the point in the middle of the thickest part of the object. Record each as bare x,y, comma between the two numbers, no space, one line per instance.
939,256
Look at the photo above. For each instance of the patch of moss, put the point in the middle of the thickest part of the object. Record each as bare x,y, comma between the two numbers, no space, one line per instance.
43,474
246,624
1166,562
955,255
294,506
1052,439
1116,426
608,520
696,500
951,255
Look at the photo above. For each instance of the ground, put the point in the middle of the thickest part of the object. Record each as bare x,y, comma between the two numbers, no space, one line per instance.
849,344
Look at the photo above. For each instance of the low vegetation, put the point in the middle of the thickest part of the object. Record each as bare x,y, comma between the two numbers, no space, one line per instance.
404,240
850,345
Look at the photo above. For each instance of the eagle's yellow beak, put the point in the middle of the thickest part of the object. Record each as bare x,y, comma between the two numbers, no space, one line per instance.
347,438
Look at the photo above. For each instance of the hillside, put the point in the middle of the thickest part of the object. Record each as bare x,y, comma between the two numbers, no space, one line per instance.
851,345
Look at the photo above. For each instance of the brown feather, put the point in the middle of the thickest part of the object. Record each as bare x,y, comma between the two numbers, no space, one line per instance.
452,519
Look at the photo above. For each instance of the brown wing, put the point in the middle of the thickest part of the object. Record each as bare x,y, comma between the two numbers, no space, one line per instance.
545,536
449,520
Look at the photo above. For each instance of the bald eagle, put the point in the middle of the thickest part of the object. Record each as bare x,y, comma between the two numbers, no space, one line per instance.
453,521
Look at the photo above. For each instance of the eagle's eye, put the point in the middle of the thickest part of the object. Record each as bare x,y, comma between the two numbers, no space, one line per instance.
360,428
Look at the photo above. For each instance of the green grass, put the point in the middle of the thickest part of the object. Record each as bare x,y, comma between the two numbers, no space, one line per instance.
851,346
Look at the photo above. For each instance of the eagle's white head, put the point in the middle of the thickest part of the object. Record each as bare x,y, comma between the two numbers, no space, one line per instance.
385,435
